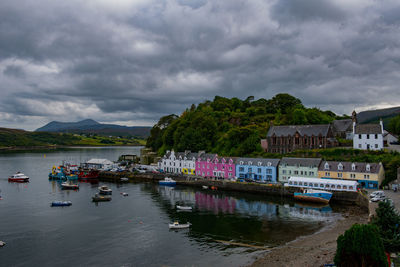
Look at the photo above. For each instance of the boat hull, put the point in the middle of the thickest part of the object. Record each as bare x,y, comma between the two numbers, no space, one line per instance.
318,198
101,199
61,203
167,183
18,180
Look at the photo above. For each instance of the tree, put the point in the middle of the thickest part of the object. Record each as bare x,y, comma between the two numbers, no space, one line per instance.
388,222
394,125
361,245
284,102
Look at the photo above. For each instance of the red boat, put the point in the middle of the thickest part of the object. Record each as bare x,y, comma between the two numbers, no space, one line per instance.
88,175
18,178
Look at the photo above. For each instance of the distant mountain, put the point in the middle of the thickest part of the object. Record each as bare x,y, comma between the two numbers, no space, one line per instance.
373,116
93,127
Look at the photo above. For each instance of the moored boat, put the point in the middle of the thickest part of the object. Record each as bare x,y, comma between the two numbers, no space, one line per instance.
61,203
99,198
183,207
313,195
124,179
167,181
69,185
177,225
18,178
105,190
88,175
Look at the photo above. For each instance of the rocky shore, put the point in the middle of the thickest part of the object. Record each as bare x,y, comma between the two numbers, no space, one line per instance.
314,250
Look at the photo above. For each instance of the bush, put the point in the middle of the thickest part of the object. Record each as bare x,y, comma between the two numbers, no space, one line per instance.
361,245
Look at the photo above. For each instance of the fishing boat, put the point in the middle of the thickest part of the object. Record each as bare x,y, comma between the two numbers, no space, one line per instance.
99,198
61,203
124,179
18,178
177,225
183,207
313,195
105,190
88,175
167,181
69,185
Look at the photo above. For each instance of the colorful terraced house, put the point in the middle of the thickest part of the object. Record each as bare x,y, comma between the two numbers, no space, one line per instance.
298,167
257,169
368,175
212,166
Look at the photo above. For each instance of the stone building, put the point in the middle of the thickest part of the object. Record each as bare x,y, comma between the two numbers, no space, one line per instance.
285,139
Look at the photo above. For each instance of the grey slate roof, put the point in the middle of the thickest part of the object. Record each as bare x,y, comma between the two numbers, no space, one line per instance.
302,162
254,161
359,166
342,125
206,156
368,129
308,130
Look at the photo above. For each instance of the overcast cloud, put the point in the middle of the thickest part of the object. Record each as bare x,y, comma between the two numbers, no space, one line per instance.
131,62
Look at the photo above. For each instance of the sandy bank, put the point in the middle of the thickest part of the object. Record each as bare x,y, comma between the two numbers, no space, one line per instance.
314,250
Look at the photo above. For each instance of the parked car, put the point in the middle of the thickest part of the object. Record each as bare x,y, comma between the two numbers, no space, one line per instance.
378,198
377,193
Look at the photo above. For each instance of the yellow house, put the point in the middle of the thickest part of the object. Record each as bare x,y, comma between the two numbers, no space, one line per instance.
368,175
188,171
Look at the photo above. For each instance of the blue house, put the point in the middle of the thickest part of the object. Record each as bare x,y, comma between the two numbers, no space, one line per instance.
257,169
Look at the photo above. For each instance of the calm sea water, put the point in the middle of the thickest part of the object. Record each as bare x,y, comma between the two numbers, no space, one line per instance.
133,230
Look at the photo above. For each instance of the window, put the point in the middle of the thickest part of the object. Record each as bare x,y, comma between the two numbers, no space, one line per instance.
321,185
368,167
339,187
327,186
340,167
340,175
230,174
305,184
327,174
259,170
367,136
345,187
359,136
283,171
295,183
259,163
290,172
376,145
300,183
311,173
315,185
250,169
269,164
333,186
376,136
241,169
269,171
296,172
326,166
301,172
241,162
230,168
350,187
353,167
359,145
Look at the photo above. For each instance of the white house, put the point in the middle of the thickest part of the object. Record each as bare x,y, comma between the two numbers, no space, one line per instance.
368,136
179,162
99,164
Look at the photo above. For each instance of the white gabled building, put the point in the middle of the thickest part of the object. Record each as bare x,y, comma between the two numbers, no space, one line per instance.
367,136
178,162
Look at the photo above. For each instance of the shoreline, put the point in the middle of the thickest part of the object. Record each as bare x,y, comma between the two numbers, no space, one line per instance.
316,249
53,147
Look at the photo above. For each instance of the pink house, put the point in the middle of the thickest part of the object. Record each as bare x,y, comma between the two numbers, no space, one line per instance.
210,165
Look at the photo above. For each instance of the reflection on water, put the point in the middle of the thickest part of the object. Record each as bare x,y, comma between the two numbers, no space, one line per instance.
133,230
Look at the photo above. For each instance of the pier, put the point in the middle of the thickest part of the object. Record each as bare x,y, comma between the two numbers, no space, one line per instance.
338,197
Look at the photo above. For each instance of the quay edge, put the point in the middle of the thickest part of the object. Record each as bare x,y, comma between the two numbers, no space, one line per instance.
347,198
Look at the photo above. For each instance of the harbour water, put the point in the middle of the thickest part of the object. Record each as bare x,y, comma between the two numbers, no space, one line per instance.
228,228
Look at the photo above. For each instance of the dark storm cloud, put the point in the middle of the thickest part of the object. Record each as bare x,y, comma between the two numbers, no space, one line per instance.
135,61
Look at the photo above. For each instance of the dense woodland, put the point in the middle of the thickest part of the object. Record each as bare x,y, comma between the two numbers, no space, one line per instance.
231,127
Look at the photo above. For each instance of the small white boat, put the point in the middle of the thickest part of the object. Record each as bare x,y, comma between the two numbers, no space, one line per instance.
19,178
167,181
124,194
2,244
68,185
183,207
105,190
177,225
205,187
124,179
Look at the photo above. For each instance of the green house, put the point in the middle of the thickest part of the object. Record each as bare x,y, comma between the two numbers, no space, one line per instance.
298,167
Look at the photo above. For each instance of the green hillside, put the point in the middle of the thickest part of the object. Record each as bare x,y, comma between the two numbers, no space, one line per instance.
231,127
20,138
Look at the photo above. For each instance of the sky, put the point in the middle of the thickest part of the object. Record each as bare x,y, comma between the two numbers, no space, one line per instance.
131,62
